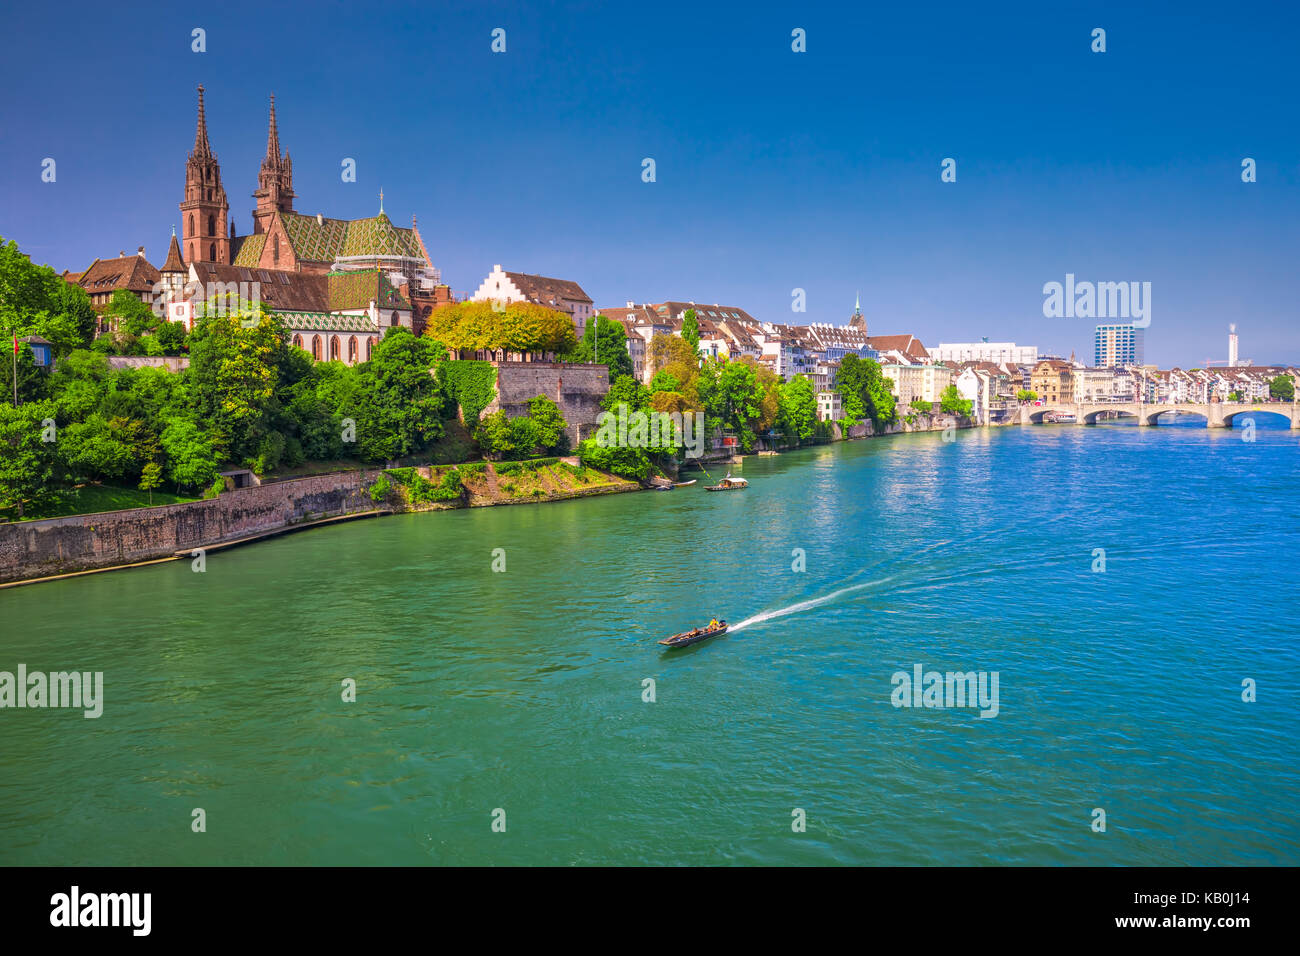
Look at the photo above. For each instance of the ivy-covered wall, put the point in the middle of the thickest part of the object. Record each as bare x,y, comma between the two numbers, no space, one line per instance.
471,384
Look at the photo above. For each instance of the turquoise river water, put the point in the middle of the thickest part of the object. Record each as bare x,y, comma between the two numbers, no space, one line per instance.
523,691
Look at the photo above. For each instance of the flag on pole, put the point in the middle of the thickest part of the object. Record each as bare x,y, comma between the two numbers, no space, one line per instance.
15,345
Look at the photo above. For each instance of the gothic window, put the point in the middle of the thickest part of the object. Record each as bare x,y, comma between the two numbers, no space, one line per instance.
370,347
212,226
334,348
191,233
315,347
392,319
275,251
297,341
352,350
212,252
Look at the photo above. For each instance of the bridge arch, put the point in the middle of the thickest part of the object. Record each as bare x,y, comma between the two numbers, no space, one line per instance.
1230,418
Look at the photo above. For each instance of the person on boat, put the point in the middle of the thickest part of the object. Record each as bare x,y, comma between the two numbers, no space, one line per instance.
713,623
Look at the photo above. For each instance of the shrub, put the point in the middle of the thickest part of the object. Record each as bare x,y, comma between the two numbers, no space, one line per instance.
217,488
381,490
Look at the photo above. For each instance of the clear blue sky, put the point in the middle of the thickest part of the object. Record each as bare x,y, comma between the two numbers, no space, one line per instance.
775,170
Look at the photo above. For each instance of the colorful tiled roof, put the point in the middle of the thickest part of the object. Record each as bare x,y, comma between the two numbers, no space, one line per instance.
356,290
248,250
323,240
325,322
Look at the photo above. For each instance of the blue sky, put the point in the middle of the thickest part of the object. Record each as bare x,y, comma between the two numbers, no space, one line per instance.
775,170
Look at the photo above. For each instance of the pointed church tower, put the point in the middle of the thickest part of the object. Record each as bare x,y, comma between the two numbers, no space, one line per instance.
204,212
857,320
274,180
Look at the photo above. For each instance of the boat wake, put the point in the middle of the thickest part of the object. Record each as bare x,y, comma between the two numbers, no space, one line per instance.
805,605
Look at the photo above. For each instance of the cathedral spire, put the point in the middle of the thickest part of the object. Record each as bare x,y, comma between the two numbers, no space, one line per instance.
273,138
274,180
201,146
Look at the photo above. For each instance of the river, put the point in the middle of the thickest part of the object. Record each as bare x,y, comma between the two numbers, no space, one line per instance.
523,691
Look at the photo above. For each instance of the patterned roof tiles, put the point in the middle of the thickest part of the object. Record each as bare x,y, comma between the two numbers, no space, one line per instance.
323,240
356,290
326,322
248,250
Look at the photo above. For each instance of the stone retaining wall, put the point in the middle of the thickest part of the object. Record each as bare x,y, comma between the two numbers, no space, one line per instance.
32,549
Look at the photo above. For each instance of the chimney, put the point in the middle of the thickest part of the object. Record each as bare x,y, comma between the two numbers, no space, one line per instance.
121,253
320,220
140,252
630,304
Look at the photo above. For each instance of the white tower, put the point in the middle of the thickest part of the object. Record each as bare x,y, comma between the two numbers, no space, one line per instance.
1232,345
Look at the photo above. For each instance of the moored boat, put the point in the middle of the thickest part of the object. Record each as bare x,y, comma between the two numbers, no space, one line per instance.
683,484
728,484
695,635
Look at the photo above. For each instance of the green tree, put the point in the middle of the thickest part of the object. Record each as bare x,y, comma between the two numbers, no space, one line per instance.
495,435
27,455
171,337
626,390
129,315
952,403
33,384
866,392
191,457
605,343
234,374
150,478
94,449
403,402
798,414
1025,395
732,398
691,329
1283,388
35,300
618,459
548,423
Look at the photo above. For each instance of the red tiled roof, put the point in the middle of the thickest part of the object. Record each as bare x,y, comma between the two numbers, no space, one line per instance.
133,273
547,291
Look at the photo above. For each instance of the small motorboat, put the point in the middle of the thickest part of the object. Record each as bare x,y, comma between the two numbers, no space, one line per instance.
728,484
694,636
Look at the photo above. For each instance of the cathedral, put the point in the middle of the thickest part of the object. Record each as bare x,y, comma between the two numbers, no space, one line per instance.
338,284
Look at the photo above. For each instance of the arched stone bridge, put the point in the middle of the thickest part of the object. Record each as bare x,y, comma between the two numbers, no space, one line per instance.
1216,414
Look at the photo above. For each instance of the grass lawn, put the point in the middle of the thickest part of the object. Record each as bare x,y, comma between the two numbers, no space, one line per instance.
90,499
